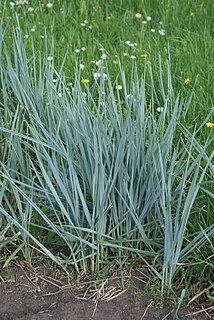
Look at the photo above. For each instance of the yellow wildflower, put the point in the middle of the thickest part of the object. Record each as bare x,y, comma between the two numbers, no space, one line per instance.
85,80
109,18
138,15
192,14
144,55
210,125
187,81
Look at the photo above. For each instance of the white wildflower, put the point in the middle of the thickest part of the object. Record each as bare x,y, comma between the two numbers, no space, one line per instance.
119,87
96,75
160,109
49,5
103,56
162,32
98,63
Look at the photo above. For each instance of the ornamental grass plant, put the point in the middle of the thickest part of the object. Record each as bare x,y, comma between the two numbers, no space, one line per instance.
101,170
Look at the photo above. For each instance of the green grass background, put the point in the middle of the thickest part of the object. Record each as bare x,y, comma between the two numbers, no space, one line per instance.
189,34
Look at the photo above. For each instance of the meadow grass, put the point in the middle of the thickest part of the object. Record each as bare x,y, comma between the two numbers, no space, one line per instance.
104,145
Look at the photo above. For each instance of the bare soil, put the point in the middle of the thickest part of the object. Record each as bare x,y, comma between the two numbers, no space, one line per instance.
40,294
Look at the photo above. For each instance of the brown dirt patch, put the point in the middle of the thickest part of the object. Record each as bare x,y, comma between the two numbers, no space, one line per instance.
41,295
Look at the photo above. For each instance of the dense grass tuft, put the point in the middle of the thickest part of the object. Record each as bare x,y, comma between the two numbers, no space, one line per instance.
102,160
